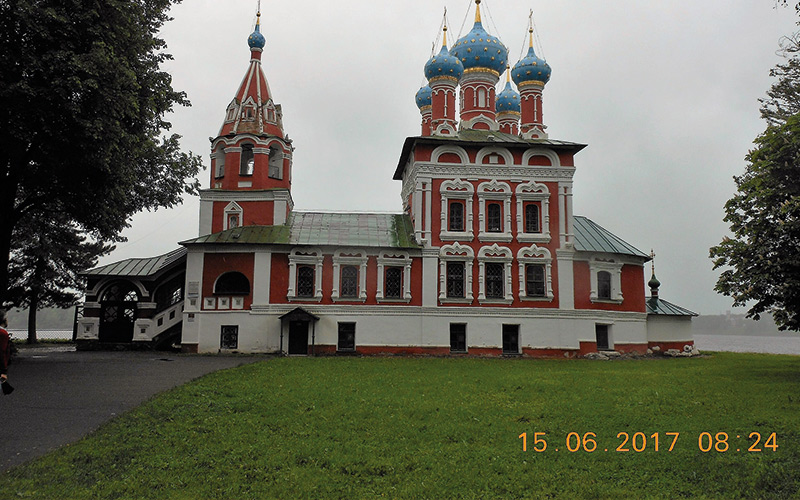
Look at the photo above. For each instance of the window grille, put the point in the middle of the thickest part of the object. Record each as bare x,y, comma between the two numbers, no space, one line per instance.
349,287
494,218
229,337
305,281
455,280
456,222
495,276
347,337
532,219
534,280
393,283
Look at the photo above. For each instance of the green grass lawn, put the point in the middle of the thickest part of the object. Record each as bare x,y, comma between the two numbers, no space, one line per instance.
356,428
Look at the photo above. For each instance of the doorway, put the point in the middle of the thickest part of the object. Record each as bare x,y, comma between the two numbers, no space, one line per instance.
298,337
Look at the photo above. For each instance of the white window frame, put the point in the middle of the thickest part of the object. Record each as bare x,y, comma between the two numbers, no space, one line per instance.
219,162
536,255
495,191
456,189
394,259
350,257
308,256
276,154
613,267
495,254
533,192
456,253
233,208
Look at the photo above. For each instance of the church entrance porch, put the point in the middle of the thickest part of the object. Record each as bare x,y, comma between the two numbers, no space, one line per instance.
300,323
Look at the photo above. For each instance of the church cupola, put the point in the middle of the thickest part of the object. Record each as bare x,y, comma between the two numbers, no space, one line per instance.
424,104
531,74
443,72
508,108
483,56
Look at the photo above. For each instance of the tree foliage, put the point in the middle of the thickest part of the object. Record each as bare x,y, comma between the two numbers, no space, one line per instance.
48,252
82,112
764,216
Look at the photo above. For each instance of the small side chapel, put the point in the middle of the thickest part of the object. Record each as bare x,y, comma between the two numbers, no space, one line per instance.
485,258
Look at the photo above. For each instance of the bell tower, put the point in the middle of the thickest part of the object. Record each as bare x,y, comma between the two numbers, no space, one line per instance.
251,157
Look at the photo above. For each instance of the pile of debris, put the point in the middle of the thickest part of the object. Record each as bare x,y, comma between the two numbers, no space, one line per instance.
687,352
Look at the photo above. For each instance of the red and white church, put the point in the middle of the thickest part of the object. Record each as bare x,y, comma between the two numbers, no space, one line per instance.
486,257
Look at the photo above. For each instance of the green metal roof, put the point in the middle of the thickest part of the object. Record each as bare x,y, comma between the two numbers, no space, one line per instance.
139,267
591,237
324,229
661,307
481,138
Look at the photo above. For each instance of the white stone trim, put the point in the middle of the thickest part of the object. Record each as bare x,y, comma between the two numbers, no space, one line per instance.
394,259
613,267
494,191
447,148
350,257
551,155
533,191
495,253
456,189
535,255
508,158
301,255
233,208
456,253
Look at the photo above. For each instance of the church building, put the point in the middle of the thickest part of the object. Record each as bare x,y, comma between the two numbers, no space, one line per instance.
483,257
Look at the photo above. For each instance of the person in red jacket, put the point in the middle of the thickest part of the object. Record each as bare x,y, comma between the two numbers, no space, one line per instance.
5,347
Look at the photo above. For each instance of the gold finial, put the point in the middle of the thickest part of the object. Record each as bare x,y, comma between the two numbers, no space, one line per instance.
258,14
653,261
508,73
444,37
477,11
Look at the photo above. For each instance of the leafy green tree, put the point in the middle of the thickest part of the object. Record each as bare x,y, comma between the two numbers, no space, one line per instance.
82,113
47,255
764,216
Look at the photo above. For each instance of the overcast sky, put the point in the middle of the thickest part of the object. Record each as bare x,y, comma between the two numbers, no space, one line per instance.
665,94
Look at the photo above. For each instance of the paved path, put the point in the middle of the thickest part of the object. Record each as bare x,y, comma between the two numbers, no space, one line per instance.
62,395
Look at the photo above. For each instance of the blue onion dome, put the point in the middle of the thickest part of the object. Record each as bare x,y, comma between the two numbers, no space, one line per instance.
507,100
256,40
531,68
479,49
443,64
424,96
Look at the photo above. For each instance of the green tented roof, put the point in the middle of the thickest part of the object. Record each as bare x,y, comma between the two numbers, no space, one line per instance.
324,229
663,308
591,237
139,267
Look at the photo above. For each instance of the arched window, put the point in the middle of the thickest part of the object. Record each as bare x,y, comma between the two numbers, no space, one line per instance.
275,163
534,280
481,98
219,161
247,164
455,280
494,218
456,216
532,218
232,283
604,285
495,276
349,286
305,281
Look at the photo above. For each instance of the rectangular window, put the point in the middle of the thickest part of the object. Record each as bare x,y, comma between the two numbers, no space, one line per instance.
534,280
229,337
495,276
456,216
455,280
393,283
349,282
305,281
494,218
458,337
532,218
220,167
275,163
601,333
347,337
510,339
604,285
247,160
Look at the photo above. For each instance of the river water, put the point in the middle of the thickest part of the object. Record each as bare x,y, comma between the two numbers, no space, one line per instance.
778,344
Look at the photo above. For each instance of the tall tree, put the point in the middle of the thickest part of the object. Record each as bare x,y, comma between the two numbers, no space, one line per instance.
82,112
48,253
764,214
